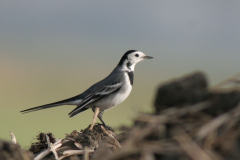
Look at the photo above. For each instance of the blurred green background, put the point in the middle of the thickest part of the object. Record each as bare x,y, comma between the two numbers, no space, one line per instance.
52,50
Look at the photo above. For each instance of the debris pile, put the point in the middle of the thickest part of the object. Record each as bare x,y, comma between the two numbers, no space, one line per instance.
191,122
77,145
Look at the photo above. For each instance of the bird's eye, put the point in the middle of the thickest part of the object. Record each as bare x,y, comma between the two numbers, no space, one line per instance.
137,55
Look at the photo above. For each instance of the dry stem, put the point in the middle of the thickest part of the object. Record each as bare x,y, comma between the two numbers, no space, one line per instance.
14,140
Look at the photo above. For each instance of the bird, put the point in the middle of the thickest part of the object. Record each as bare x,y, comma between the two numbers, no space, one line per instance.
105,94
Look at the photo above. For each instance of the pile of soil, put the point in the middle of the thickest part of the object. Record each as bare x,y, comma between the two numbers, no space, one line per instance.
86,140
191,121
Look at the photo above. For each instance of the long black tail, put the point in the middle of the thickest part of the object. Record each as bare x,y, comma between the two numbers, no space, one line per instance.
69,101
72,114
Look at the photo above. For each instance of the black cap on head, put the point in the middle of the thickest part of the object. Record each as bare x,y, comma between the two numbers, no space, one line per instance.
125,56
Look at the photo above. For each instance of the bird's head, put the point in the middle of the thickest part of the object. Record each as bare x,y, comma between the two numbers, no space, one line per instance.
131,58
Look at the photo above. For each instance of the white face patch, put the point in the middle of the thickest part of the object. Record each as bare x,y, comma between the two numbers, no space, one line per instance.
133,59
136,57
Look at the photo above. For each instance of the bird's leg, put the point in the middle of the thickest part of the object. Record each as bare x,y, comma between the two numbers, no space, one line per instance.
96,111
100,117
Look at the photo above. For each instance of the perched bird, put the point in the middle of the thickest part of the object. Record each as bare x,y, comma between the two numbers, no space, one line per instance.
107,93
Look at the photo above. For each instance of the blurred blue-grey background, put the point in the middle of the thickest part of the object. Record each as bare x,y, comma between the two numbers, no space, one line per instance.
52,50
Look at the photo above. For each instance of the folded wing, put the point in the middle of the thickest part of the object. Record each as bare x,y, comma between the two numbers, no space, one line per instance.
93,97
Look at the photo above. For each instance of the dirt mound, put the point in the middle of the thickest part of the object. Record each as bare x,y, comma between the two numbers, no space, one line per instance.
86,141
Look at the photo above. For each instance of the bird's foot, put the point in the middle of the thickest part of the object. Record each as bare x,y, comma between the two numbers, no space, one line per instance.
107,127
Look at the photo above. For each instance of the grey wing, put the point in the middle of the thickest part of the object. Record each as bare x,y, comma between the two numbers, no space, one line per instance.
93,97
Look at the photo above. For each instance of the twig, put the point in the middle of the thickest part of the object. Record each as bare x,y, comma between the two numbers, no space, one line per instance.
233,78
42,154
78,145
51,148
189,146
14,140
167,114
212,125
111,136
186,110
217,122
74,152
94,117
86,154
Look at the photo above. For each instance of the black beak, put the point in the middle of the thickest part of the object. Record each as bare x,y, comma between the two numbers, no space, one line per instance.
147,57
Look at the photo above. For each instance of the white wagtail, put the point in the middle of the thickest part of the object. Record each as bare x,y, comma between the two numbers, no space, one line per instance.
106,93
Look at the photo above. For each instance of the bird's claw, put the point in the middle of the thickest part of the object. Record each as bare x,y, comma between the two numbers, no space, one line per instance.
107,127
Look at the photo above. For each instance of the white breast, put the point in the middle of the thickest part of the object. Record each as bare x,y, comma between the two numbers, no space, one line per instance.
118,97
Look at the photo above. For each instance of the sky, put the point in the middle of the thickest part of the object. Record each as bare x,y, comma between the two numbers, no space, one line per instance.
53,50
